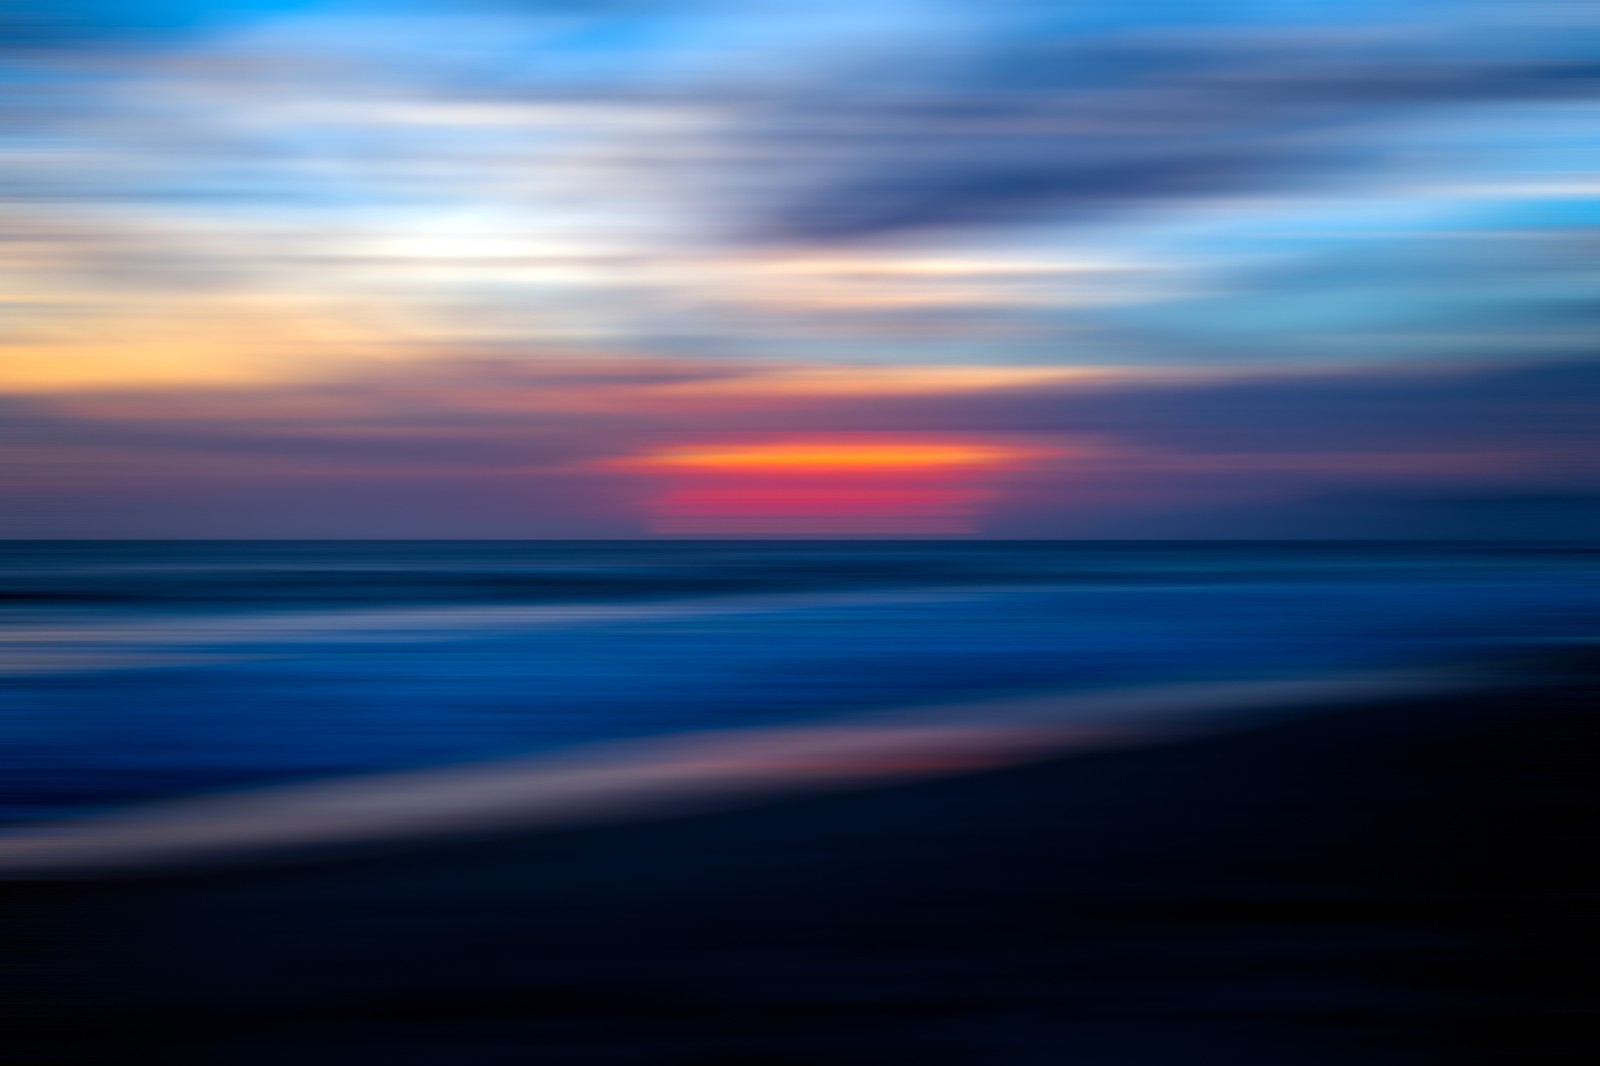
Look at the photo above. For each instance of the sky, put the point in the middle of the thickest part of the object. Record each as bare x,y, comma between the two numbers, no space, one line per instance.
948,268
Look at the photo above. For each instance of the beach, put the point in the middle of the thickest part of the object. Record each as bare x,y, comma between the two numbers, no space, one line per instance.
1390,881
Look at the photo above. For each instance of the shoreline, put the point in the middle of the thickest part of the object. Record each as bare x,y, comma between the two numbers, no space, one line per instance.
680,774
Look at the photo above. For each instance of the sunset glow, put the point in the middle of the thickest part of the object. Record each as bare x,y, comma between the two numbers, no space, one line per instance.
827,486
784,457
475,270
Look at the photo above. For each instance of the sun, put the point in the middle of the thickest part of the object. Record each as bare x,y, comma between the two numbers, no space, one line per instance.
826,486
836,457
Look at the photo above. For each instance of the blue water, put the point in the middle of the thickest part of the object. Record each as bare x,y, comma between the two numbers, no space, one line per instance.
135,670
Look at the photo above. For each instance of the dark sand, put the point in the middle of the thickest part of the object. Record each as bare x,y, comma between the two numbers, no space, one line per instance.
1391,884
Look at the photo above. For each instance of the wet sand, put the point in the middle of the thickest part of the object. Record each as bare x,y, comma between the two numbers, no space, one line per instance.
1400,882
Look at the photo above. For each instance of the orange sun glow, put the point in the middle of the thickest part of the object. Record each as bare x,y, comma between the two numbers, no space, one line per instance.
833,486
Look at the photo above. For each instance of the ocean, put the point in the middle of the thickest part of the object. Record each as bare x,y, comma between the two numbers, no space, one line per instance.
134,671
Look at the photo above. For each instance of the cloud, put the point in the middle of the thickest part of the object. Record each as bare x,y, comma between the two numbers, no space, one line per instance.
1112,449
1209,123
1446,295
286,260
305,194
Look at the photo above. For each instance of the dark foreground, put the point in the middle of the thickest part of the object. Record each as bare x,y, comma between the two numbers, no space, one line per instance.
1399,884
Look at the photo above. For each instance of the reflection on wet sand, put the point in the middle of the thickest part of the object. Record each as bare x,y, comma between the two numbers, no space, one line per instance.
655,777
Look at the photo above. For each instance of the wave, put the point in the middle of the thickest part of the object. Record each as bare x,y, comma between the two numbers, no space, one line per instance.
668,777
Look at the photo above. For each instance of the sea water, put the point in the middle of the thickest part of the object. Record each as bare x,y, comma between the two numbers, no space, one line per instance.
141,670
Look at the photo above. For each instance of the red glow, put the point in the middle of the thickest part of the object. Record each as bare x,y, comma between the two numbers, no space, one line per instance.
759,500
841,486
